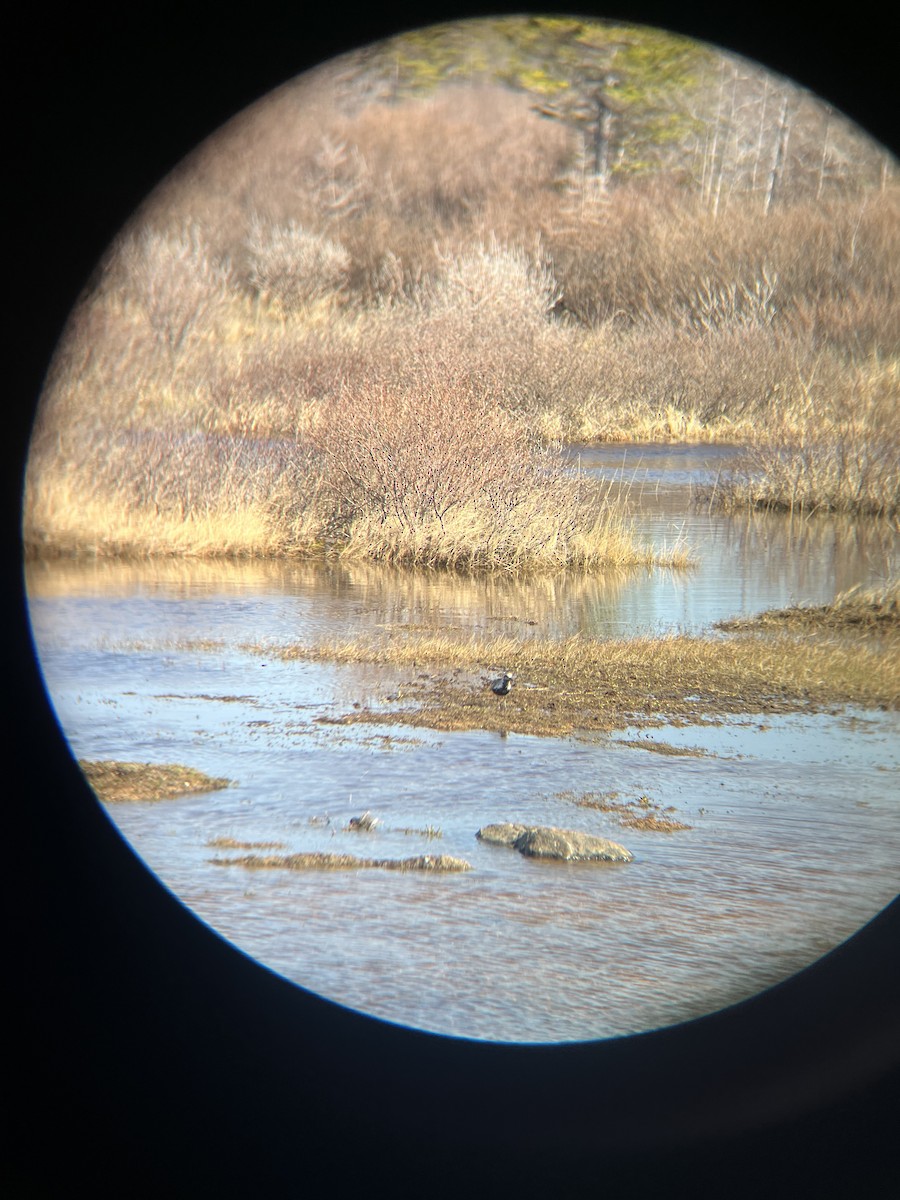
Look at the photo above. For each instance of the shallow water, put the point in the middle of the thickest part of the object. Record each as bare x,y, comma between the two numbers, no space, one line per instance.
795,828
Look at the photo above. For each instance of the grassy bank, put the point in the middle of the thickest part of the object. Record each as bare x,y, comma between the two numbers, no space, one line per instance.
434,476
591,684
856,611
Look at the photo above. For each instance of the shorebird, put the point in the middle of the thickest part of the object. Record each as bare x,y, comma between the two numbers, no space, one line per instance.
501,686
365,823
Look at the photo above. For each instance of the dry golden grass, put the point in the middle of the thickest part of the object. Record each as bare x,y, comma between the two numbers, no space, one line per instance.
634,421
664,748
103,528
832,446
535,537
67,513
116,782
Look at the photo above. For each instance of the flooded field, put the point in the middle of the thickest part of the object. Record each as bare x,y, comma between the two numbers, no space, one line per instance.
793,838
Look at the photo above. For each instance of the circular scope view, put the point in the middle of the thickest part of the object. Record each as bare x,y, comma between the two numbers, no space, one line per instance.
461,530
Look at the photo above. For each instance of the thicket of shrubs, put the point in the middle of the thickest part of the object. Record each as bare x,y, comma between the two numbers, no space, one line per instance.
380,319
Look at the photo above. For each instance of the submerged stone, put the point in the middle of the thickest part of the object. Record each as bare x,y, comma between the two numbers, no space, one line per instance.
546,841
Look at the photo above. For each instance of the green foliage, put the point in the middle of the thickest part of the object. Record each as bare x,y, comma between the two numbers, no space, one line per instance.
564,60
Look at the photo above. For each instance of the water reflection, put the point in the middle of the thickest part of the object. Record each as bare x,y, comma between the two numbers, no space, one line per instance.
744,563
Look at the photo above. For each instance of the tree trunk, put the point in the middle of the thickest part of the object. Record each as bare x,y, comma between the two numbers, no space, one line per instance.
603,124
781,140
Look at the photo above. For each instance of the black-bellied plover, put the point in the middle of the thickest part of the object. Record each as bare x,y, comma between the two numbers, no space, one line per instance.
501,686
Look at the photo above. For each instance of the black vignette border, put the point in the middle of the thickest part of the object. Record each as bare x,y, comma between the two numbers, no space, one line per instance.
161,1055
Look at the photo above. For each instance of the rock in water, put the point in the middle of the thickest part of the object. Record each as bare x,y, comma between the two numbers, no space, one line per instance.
570,846
503,834
546,841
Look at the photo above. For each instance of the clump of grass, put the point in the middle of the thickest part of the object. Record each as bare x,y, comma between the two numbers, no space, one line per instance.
654,824
663,748
640,813
318,861
294,267
230,843
862,606
103,528
176,283
835,454
116,782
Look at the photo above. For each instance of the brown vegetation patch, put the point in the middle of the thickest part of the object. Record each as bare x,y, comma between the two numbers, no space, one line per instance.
832,446
344,862
430,831
641,813
665,748
121,781
654,824
858,610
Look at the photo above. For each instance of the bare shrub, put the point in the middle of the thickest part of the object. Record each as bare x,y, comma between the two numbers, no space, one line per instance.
440,159
294,266
417,453
175,282
856,322
497,289
715,304
391,256
444,167
440,474
166,471
656,251
338,179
